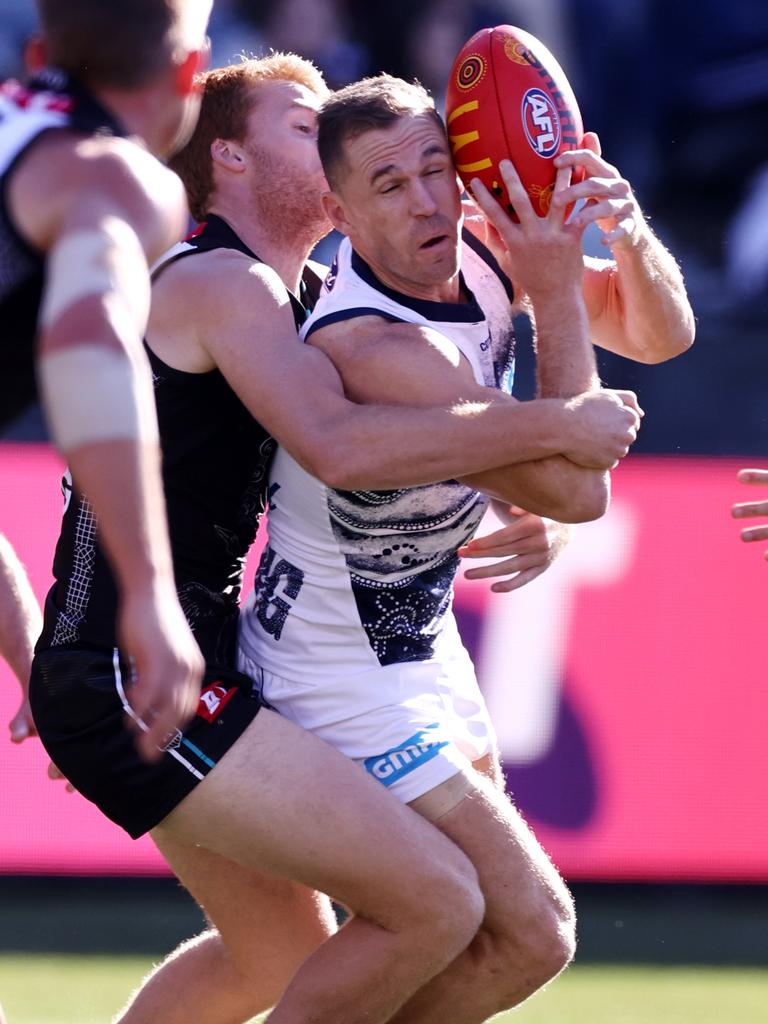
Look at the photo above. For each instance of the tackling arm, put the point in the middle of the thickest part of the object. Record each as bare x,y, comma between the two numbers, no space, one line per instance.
243,324
381,362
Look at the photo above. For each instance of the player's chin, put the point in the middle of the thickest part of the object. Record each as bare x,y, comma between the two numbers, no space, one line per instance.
441,252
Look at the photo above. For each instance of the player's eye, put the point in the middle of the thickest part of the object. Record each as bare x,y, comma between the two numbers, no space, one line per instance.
391,187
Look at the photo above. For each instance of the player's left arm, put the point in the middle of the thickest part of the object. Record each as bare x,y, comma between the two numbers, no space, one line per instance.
636,302
20,625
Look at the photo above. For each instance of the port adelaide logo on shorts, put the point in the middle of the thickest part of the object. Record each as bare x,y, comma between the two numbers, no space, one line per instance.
399,761
213,699
541,122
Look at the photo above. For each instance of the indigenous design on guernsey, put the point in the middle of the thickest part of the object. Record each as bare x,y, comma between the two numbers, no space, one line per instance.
371,572
51,101
216,461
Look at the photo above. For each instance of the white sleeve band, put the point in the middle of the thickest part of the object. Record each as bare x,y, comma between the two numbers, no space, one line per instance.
77,265
93,394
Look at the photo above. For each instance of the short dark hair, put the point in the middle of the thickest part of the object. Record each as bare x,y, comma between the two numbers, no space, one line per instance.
121,44
364,106
229,95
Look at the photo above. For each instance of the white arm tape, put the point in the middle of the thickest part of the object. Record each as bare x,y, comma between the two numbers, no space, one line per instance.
78,265
93,393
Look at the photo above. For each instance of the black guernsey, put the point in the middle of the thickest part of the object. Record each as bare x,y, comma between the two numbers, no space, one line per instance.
52,101
216,461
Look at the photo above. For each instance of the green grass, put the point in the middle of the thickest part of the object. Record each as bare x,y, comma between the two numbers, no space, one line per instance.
88,990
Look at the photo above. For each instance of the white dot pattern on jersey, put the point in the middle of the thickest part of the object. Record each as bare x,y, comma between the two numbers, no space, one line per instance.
79,583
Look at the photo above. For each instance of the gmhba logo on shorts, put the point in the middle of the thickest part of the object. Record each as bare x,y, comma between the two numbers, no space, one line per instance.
399,761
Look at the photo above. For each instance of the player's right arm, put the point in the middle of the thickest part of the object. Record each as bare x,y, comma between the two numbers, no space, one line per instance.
101,209
544,256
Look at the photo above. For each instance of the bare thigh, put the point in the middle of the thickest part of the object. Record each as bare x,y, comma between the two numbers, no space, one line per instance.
268,925
283,803
517,878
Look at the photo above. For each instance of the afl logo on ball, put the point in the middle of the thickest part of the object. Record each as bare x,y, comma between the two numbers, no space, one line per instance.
541,122
471,70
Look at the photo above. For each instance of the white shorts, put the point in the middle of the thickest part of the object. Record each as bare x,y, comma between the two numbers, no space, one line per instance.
411,726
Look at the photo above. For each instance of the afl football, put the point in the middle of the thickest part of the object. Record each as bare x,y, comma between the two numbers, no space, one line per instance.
508,98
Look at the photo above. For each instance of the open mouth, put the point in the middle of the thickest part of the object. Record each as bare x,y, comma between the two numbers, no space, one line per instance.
431,243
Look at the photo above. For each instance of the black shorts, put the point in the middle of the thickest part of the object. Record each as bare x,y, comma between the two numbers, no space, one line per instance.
78,708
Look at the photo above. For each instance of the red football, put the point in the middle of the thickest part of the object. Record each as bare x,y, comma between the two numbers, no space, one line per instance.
509,98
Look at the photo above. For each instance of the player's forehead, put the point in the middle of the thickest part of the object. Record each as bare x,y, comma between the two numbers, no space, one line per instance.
277,99
400,147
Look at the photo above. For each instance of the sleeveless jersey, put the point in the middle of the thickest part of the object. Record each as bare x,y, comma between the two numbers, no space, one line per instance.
354,581
216,460
51,101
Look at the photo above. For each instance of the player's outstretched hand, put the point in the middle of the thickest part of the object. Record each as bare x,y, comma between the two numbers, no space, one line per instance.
22,726
603,428
610,202
543,254
167,667
527,547
749,509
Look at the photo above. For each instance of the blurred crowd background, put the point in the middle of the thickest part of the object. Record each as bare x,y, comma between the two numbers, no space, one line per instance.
676,91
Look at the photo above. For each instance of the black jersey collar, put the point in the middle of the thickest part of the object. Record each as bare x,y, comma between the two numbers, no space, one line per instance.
215,233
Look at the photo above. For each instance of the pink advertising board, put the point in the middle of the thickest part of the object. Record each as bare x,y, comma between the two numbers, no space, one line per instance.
628,686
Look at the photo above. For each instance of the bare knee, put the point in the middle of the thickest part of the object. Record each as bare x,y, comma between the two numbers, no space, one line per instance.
519,961
446,905
459,907
552,946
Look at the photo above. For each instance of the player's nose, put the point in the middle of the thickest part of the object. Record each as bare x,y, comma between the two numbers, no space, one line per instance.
422,201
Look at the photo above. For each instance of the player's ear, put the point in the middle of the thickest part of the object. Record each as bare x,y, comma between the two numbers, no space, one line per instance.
335,212
227,154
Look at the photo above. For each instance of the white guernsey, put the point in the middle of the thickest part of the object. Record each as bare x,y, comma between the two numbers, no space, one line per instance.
350,625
